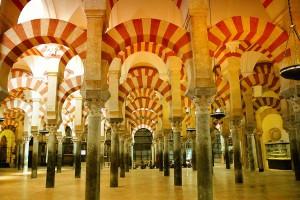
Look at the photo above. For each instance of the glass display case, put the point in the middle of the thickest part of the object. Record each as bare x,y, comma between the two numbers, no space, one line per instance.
278,155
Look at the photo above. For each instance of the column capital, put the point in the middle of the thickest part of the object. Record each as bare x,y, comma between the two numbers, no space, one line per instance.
236,120
94,13
166,132
176,123
52,128
95,96
202,96
26,138
75,139
249,130
115,123
59,136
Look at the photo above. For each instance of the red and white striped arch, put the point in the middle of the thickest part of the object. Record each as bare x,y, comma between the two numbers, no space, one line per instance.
151,47
141,123
218,103
68,54
30,52
142,92
111,3
254,35
144,78
274,8
264,75
223,88
20,4
31,83
65,58
67,87
144,102
146,30
9,123
18,104
266,101
17,72
22,37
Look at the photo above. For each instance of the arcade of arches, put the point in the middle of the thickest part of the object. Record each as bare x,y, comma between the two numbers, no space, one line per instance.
112,87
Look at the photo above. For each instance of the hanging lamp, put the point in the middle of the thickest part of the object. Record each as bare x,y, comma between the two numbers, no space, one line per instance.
292,70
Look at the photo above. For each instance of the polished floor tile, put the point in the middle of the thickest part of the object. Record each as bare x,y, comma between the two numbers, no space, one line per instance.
150,184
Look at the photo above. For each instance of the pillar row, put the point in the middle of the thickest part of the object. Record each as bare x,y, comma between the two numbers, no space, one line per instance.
115,126
35,152
51,161
235,128
166,153
176,128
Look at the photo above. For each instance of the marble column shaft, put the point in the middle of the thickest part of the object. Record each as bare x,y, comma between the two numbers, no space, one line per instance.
26,153
194,164
161,165
238,170
227,155
184,154
122,157
78,158
59,154
35,152
294,151
156,146
126,155
166,155
92,183
51,161
114,156
203,150
260,161
250,149
21,155
176,127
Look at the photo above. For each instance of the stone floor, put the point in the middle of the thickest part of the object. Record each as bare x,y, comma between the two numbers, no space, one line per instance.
150,185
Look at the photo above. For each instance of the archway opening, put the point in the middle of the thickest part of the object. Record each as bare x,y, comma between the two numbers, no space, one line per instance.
142,154
3,151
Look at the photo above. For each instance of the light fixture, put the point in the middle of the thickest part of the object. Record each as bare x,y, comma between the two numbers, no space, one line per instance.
292,70
43,132
218,114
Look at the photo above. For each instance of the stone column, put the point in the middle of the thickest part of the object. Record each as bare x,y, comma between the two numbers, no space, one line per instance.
166,153
194,164
115,125
294,151
161,147
102,152
77,155
156,147
260,161
250,148
26,152
235,129
227,155
122,157
94,91
35,151
51,161
152,154
59,152
126,154
21,154
203,144
176,127
92,184
184,153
